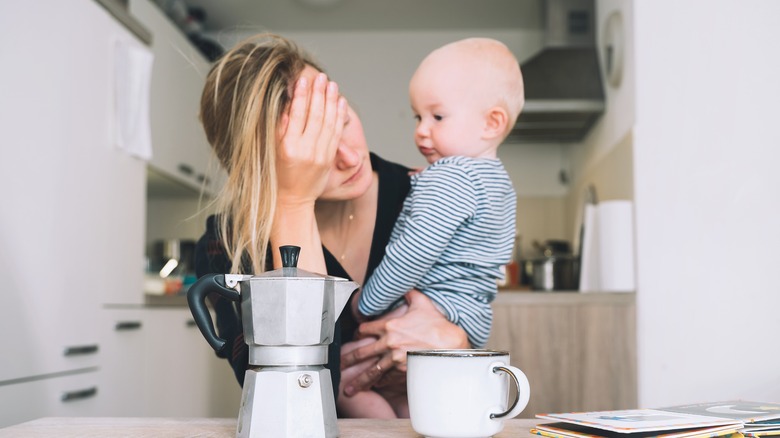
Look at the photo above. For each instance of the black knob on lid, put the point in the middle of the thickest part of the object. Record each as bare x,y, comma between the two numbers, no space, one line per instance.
290,255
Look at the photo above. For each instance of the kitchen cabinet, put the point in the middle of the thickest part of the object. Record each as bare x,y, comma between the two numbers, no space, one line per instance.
158,364
75,395
578,350
71,228
124,365
180,148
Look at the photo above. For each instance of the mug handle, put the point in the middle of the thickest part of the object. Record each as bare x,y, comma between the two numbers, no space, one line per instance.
523,390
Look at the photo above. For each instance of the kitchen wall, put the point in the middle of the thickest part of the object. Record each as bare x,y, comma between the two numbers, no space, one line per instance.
689,135
706,148
605,157
373,70
176,218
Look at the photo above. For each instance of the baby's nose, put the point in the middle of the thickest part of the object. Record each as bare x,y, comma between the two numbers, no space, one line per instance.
421,130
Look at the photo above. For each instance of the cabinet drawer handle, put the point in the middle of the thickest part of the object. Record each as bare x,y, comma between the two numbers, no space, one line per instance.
128,325
190,323
79,350
79,394
186,169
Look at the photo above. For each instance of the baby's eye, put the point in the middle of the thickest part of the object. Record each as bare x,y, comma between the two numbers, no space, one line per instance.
437,117
417,117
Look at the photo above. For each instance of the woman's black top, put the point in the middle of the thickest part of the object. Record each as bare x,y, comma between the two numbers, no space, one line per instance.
210,258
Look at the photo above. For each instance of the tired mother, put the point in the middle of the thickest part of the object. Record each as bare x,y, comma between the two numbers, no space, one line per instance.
300,173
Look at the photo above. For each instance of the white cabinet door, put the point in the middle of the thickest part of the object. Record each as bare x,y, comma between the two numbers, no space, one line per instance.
76,395
123,364
71,228
158,364
179,360
180,148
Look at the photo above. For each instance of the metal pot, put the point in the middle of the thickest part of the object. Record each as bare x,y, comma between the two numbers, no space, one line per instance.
555,273
177,254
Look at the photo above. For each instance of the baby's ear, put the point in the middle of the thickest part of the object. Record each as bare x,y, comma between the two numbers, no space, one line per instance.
496,122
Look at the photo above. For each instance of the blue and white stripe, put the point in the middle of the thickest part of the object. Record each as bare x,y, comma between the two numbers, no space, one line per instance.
456,230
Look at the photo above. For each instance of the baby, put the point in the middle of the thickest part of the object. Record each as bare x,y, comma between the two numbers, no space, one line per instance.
457,225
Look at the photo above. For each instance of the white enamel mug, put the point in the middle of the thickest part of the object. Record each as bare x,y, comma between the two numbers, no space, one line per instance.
463,393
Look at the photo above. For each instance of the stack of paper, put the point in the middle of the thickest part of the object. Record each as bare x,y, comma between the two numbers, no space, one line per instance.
730,419
759,419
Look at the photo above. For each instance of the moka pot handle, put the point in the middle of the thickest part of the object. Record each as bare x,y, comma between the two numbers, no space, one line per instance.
196,298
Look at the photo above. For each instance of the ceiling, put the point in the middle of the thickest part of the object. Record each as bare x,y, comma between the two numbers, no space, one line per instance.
352,15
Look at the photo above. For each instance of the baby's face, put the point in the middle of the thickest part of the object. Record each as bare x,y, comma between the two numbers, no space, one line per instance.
448,110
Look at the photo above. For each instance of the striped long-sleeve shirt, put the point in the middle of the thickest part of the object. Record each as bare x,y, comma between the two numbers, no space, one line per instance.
456,230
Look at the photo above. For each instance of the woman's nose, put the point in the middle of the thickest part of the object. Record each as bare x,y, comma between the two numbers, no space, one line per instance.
346,158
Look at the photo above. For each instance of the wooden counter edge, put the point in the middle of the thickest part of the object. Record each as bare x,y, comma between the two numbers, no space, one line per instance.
511,296
213,427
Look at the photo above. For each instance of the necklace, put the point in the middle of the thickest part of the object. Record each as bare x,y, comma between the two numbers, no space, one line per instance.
345,236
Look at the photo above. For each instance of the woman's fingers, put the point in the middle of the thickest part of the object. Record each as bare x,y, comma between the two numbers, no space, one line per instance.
420,326
328,138
378,329
394,378
365,352
309,134
369,377
298,109
308,108
316,113
372,328
338,129
323,123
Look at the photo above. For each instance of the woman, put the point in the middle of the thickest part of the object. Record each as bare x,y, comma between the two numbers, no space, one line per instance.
300,173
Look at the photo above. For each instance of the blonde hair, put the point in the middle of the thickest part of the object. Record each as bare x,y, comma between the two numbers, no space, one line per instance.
245,95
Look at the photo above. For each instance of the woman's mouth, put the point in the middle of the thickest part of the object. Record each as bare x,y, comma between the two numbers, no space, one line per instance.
355,175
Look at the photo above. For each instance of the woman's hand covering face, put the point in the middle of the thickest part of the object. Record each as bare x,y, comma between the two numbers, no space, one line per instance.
423,326
310,134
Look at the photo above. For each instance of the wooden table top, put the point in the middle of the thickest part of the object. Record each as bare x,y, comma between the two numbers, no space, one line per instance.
210,427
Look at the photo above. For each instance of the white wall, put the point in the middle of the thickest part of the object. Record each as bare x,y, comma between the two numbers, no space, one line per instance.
603,158
706,146
172,218
620,116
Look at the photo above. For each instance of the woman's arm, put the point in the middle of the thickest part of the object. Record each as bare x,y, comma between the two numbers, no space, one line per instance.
421,327
310,135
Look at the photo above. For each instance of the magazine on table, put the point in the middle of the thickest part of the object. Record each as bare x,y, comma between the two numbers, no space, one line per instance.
570,430
699,420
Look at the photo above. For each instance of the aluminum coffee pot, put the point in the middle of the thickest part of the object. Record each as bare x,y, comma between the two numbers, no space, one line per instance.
289,316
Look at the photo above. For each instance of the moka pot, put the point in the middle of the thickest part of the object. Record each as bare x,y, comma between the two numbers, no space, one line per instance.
289,316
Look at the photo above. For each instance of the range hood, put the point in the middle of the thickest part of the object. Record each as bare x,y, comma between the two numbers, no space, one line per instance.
564,95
